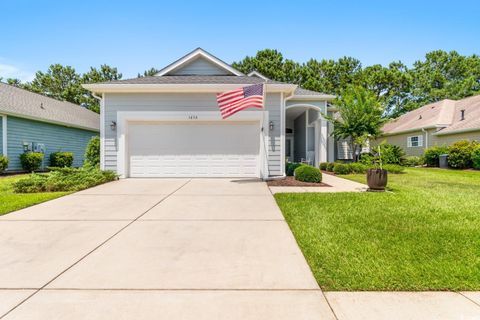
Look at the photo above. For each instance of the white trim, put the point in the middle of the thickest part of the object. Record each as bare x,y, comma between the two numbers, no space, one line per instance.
419,141
323,143
123,117
255,73
282,134
179,87
193,55
4,135
312,106
440,133
102,132
385,134
322,97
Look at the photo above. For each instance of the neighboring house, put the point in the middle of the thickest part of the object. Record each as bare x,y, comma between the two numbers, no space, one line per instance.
31,121
169,125
439,123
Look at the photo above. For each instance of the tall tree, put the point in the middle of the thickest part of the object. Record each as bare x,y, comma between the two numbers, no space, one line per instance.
103,74
359,117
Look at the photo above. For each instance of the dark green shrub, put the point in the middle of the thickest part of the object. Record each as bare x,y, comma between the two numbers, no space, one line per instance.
394,168
64,179
330,166
323,166
432,154
31,161
92,152
476,157
357,167
391,154
460,154
342,168
290,168
308,174
61,159
3,163
367,159
413,161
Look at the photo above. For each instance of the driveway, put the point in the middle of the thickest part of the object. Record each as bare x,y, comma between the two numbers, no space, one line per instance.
156,249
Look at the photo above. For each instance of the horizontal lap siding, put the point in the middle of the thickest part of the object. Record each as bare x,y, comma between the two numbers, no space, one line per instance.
181,102
55,138
1,135
200,67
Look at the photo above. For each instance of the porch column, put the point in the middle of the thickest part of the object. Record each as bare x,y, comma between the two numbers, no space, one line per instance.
323,141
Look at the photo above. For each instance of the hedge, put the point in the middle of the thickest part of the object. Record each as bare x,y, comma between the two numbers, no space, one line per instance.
308,174
460,154
61,159
290,168
431,155
31,161
3,163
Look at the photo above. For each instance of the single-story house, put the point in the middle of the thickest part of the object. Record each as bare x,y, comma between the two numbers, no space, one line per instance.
33,122
169,125
439,123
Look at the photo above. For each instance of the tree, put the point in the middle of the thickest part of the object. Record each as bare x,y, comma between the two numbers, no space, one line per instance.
359,117
14,82
148,73
104,74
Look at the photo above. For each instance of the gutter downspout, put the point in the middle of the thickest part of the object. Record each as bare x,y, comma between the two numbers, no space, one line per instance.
426,137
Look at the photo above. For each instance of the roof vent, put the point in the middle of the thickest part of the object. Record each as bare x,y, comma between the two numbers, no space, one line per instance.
420,117
41,105
462,114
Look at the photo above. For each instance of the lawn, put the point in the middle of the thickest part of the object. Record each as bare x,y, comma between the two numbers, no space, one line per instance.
10,201
423,235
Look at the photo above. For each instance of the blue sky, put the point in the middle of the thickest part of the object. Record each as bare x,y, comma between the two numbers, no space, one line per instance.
136,35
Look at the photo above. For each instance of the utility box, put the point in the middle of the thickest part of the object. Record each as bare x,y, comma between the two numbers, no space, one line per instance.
443,161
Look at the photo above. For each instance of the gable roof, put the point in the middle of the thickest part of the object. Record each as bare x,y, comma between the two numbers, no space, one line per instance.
444,115
198,53
25,104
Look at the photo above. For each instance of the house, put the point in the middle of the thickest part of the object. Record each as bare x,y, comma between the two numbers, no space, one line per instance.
438,123
169,125
33,122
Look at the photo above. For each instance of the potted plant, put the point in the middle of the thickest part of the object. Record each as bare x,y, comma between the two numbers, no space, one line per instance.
377,177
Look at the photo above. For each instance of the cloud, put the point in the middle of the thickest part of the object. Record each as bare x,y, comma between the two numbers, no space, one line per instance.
11,71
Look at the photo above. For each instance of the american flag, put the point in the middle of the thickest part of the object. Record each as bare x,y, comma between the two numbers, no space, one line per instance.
230,102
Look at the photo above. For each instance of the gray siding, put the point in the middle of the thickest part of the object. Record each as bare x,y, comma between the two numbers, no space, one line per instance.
55,138
299,138
199,66
181,102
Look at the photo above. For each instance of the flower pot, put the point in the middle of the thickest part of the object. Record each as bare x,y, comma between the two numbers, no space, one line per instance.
377,179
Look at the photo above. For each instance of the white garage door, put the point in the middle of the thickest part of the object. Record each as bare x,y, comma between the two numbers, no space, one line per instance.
200,149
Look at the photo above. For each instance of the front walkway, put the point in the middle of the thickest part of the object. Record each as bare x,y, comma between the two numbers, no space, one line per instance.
336,185
156,249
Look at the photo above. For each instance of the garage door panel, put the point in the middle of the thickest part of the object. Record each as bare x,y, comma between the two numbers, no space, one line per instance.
194,150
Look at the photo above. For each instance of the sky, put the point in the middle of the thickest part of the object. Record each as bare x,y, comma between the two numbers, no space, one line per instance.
136,35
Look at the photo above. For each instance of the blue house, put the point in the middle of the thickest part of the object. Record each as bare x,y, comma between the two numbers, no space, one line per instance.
33,122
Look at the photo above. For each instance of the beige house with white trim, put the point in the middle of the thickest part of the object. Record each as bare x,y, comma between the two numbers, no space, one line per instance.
439,123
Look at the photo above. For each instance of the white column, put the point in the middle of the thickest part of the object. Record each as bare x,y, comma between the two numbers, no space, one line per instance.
323,140
4,135
331,143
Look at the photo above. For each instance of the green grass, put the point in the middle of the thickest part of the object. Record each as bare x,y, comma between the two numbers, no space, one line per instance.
424,235
10,201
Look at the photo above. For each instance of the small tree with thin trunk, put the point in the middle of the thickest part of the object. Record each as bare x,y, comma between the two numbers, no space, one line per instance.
358,117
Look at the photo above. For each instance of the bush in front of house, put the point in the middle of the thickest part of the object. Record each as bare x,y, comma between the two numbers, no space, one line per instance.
323,166
63,179
413,161
357,167
460,154
394,168
391,154
61,159
31,161
330,166
92,152
367,159
476,157
431,155
290,168
342,168
308,174
3,163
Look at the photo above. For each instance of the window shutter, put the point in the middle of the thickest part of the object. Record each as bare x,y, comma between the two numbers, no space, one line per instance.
409,142
420,141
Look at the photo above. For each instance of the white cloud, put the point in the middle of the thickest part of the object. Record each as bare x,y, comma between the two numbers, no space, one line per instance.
11,71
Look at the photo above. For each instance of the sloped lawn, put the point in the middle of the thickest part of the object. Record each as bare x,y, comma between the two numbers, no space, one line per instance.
424,235
10,201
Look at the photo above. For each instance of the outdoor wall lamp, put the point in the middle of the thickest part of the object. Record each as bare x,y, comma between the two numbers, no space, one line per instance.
113,125
271,125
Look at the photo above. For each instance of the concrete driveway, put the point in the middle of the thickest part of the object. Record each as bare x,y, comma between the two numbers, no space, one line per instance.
156,249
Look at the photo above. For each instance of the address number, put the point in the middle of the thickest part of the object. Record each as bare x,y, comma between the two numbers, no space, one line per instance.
193,117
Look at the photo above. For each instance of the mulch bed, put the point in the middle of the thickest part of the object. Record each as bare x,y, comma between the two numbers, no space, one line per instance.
328,172
291,182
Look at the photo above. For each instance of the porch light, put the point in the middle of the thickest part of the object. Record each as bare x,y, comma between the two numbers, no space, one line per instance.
113,125
270,125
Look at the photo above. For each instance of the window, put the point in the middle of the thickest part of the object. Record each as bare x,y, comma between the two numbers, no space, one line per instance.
415,141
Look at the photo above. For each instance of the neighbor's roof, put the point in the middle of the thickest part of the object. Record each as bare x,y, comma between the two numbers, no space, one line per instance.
22,103
445,115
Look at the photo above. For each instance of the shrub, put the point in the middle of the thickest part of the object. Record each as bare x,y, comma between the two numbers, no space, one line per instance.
394,168
460,154
323,166
476,156
92,152
330,166
290,168
63,179
308,174
413,161
391,154
358,167
31,161
367,159
432,154
342,168
61,159
3,163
